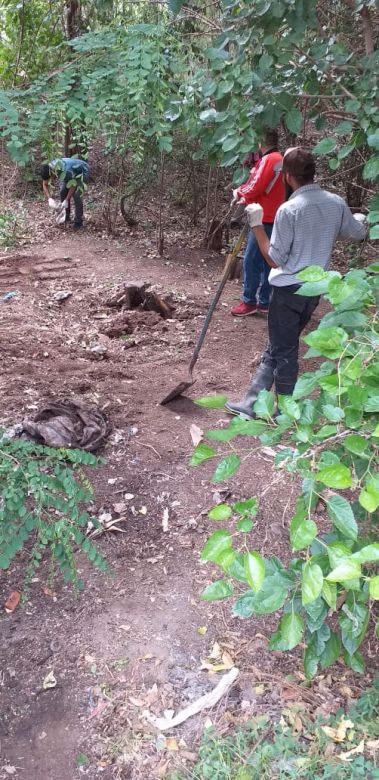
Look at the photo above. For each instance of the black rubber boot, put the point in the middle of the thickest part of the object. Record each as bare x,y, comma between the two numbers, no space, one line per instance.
263,379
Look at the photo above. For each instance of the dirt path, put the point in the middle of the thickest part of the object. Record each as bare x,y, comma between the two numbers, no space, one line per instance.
132,642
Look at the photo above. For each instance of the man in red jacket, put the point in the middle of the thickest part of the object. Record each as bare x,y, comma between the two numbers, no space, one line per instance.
264,186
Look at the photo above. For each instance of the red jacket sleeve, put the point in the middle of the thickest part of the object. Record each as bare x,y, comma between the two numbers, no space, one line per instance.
258,181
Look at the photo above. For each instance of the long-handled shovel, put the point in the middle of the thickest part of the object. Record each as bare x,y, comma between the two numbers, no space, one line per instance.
228,269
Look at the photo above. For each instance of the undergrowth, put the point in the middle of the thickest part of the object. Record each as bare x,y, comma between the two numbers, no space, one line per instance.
260,750
12,225
42,495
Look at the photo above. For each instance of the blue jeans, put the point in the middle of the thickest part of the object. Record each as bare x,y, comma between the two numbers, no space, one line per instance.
256,271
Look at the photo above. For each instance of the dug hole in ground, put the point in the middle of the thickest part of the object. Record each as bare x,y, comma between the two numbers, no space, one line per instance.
134,642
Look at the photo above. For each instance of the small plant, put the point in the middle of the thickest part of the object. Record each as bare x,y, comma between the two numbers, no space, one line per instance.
329,446
12,225
42,492
260,750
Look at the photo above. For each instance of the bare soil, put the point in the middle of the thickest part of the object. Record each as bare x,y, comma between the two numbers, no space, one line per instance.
131,642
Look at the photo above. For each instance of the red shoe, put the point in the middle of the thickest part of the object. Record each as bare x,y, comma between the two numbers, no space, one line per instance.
244,309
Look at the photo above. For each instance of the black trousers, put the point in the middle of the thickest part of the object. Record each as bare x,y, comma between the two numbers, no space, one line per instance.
288,315
78,201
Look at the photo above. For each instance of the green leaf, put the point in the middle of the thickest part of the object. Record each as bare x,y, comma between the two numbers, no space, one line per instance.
247,427
265,61
342,516
369,497
265,404
220,434
82,759
311,661
331,651
356,444
244,525
254,570
333,413
374,233
302,529
288,406
371,169
353,620
201,453
327,341
294,120
343,128
244,606
313,273
217,543
334,163
367,554
373,587
345,571
250,507
291,628
329,594
338,552
209,115
337,476
220,512
226,559
325,146
212,401
271,596
305,385
226,468
220,589
311,582
354,661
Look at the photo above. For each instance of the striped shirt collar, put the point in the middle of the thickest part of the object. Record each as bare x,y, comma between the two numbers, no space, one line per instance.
305,188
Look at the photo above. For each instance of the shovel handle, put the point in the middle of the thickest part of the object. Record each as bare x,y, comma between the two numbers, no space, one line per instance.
229,266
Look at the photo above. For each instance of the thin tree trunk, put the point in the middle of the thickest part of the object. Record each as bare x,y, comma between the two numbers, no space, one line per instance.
368,32
160,237
207,201
22,33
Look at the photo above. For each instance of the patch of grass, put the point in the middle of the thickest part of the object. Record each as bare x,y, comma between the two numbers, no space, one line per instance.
260,750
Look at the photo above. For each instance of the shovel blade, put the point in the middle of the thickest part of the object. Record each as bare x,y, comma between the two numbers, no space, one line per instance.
176,392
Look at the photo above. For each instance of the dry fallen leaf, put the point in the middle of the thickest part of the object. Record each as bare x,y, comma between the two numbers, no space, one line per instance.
196,434
338,734
12,601
202,630
165,520
172,743
216,651
347,756
49,681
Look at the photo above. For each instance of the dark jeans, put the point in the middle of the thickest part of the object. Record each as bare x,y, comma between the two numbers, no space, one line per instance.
78,201
256,271
287,316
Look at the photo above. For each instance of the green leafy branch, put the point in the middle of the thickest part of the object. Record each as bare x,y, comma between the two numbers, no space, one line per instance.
329,441
43,492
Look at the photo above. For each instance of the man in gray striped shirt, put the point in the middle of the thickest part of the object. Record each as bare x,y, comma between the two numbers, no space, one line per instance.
305,229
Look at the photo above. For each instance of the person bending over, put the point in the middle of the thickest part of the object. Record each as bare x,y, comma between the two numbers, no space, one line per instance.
72,174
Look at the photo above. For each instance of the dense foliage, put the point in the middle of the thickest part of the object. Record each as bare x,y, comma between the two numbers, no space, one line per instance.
328,433
43,492
220,76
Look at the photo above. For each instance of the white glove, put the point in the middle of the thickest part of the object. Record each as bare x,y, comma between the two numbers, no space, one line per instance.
360,218
236,198
53,204
61,217
64,204
254,214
